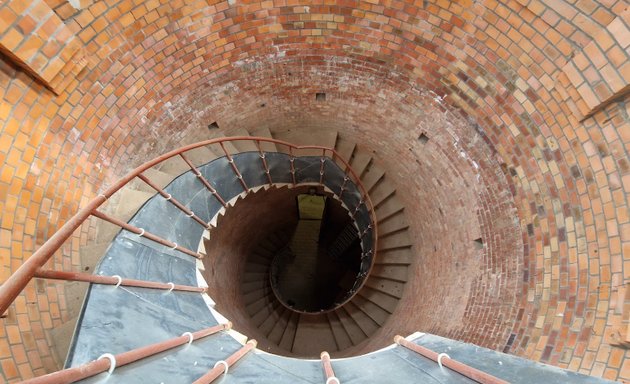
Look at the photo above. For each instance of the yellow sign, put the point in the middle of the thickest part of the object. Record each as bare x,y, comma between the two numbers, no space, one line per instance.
311,207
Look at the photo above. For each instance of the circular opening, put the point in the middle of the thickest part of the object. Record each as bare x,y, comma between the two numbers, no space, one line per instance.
266,237
318,266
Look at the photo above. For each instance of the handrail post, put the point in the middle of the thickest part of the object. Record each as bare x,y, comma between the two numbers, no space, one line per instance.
321,168
203,180
461,368
173,201
328,370
264,162
234,168
291,160
222,366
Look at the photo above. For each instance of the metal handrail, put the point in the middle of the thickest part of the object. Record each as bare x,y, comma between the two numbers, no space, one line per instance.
328,369
108,362
222,366
16,283
461,368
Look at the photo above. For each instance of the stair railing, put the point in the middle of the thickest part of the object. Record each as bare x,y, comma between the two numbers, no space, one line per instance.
32,267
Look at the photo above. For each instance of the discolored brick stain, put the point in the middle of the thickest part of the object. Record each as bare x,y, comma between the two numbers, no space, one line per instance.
469,76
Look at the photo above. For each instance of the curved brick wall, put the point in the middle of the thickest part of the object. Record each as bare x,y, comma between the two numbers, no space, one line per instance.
527,149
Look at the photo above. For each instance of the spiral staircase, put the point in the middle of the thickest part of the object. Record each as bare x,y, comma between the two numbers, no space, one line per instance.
150,314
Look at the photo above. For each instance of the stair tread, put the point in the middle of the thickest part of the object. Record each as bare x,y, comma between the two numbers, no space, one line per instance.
286,342
259,317
373,311
372,175
313,335
159,178
367,325
394,223
105,232
200,156
388,208
75,292
381,192
353,331
322,138
91,255
344,148
392,288
248,286
254,306
265,146
130,201
381,299
244,145
275,336
175,165
267,326
218,151
394,256
359,161
61,338
397,240
392,272
341,337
